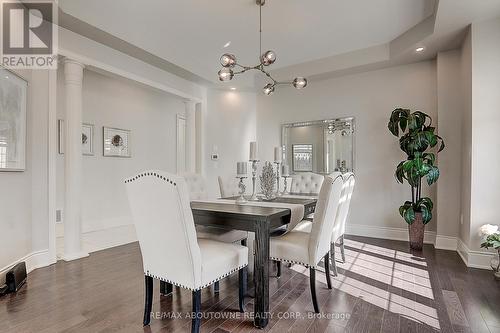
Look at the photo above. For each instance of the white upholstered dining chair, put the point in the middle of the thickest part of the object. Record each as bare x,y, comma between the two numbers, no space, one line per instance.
349,182
341,219
228,186
170,250
198,191
197,186
306,183
309,248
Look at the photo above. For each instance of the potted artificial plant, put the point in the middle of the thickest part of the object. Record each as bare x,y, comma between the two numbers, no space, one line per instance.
491,239
416,138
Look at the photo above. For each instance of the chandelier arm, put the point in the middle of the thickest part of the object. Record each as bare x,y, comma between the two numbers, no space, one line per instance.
242,71
268,75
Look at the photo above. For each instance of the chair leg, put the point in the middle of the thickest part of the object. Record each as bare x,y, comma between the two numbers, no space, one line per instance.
196,321
312,280
148,303
342,252
165,288
334,264
278,267
216,287
243,281
327,270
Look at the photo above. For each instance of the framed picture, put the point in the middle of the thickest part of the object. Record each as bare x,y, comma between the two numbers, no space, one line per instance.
302,158
13,94
87,138
116,142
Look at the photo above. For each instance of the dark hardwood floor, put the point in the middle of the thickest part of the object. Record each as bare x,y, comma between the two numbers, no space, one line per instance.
381,288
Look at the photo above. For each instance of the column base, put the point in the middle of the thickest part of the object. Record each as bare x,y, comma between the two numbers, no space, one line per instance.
74,256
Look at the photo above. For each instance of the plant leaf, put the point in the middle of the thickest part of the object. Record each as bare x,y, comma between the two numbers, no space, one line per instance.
432,175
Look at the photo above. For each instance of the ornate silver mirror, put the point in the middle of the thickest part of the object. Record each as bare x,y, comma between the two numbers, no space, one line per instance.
321,146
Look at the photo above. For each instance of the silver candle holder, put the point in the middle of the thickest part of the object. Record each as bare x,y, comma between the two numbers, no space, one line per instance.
285,183
254,179
241,200
278,194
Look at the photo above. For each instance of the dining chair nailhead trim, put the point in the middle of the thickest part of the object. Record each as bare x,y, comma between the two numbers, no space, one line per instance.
199,288
153,174
292,262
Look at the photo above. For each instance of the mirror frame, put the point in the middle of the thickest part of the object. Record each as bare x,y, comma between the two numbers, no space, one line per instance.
286,126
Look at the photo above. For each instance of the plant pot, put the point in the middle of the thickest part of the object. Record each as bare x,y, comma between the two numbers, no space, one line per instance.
495,265
416,232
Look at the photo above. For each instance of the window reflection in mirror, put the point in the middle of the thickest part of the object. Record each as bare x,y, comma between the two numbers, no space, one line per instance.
322,147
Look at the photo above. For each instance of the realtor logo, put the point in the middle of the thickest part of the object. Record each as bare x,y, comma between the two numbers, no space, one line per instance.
28,34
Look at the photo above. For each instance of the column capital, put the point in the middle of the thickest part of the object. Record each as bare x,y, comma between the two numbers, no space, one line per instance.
73,71
190,103
74,62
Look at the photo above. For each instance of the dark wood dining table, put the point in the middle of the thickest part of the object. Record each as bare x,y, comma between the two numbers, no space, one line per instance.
260,220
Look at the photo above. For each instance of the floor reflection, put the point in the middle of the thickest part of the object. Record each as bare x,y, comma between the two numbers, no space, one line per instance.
385,267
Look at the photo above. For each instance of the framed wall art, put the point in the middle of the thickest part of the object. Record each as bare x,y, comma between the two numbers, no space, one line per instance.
87,138
13,96
116,142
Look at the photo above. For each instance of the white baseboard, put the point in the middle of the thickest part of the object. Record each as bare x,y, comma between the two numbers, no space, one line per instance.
474,259
446,243
105,224
75,256
386,232
33,261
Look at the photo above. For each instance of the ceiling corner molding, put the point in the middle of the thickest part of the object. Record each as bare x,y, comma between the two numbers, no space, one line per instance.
322,68
413,36
84,29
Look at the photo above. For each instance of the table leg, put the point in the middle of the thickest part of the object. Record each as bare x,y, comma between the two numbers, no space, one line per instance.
261,274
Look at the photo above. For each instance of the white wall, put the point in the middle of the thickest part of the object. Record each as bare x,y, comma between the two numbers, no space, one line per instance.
229,126
485,184
23,201
466,90
370,97
150,115
449,122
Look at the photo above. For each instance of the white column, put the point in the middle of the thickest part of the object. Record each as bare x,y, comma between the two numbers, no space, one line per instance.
73,74
190,136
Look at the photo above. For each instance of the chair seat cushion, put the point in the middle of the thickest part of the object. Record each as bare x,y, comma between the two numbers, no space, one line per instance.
221,235
219,260
291,247
304,226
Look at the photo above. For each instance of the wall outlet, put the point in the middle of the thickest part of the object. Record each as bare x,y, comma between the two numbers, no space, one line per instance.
214,157
59,215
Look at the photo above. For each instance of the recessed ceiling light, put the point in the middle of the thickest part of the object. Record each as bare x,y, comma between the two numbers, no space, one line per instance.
227,44
420,49
232,88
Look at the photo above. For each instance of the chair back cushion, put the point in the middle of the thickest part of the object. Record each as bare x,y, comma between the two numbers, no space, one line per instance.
196,186
325,217
228,187
306,182
163,220
349,181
